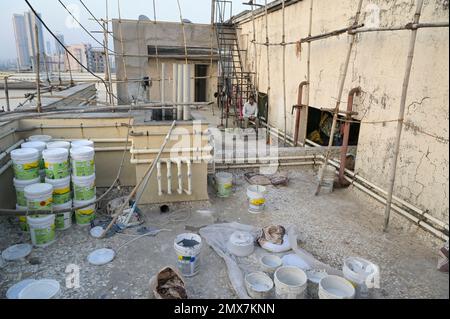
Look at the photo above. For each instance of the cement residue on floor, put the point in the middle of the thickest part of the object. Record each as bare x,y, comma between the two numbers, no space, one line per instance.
331,227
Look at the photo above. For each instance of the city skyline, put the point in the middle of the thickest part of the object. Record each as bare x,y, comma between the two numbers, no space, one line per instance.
60,21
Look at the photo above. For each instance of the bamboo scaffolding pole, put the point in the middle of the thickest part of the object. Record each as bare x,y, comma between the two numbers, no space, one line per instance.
343,77
38,75
334,33
308,68
283,39
409,26
410,58
268,67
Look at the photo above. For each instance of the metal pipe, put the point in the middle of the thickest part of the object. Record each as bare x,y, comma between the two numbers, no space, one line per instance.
401,116
344,149
163,87
159,176
180,176
175,83
169,177
191,149
299,110
186,91
149,161
180,92
10,149
189,177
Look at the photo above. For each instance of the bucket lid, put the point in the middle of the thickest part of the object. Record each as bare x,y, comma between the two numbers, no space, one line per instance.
40,289
59,144
16,252
55,153
14,291
25,183
81,143
83,151
38,189
42,138
24,154
58,182
101,256
40,146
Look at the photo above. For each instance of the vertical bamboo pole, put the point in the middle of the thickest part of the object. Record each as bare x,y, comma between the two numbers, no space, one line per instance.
268,67
8,108
392,175
38,75
339,96
283,41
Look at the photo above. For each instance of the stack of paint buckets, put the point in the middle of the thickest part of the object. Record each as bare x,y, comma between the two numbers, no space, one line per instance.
53,190
83,181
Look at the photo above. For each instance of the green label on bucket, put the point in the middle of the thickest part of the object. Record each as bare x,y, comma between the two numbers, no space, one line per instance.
26,171
44,235
83,168
83,193
84,216
57,170
60,221
61,196
21,200
40,205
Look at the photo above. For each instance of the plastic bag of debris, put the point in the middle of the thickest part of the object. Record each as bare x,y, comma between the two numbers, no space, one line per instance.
168,284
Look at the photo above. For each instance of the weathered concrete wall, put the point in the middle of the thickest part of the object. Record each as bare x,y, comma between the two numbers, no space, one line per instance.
132,39
377,65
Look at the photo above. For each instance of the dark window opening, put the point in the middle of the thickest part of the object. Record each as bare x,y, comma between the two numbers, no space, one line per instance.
263,106
319,128
201,73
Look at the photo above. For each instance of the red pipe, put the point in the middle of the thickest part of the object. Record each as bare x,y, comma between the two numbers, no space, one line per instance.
299,110
351,95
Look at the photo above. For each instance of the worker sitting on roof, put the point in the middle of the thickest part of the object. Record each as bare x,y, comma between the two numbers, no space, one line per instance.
250,112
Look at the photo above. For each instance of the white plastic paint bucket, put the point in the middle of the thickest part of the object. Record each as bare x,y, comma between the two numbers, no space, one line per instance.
363,274
85,215
290,283
63,221
56,163
58,144
23,224
329,174
61,190
224,182
82,159
270,263
37,145
188,248
40,138
82,143
42,230
25,163
83,187
39,196
335,287
256,197
314,278
259,285
20,185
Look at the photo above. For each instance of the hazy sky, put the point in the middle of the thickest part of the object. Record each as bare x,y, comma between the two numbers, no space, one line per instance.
198,11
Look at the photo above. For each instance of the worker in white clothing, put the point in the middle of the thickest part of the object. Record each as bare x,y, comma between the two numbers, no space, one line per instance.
250,112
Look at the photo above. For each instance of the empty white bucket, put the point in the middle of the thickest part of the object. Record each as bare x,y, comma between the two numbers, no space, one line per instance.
23,224
188,248
335,287
59,144
56,163
83,187
41,138
61,190
25,163
290,283
363,274
224,182
42,230
256,196
270,263
329,174
82,159
39,196
84,216
259,285
20,185
63,221
37,145
82,143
